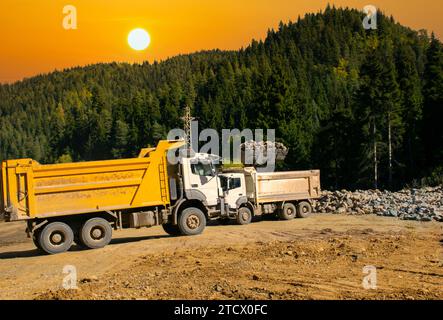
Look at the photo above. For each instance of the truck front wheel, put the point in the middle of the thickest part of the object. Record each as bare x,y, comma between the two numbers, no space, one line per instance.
304,209
244,216
192,221
55,237
96,233
288,212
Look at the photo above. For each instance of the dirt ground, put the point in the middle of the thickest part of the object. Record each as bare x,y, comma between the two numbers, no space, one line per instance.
321,257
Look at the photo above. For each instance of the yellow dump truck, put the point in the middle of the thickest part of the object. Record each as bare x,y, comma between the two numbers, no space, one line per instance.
84,202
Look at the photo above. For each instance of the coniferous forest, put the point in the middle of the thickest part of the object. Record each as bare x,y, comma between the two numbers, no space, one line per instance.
342,98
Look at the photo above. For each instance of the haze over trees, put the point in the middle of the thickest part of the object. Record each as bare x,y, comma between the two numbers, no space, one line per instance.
364,106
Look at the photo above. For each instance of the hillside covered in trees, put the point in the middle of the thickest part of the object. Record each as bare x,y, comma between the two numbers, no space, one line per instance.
340,97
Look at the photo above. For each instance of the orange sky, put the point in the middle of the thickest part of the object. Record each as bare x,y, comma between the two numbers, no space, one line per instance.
32,39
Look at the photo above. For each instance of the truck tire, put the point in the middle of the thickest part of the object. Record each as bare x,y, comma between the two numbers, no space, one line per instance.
55,237
192,221
171,229
304,209
288,212
35,239
96,233
244,216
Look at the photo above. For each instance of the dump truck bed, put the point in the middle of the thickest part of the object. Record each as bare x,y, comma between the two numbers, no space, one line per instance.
282,186
31,190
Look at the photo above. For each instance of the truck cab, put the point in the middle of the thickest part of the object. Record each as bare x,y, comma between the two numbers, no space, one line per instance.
221,194
234,188
200,179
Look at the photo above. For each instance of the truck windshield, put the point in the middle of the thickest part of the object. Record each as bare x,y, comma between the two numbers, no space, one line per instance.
202,169
229,184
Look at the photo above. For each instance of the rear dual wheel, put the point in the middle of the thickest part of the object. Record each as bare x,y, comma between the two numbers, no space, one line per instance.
304,209
55,237
58,237
95,233
288,212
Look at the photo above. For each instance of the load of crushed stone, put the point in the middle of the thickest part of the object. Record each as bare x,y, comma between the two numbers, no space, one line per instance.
257,149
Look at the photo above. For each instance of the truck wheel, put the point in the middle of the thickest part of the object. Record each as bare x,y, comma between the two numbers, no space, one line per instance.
35,239
288,212
171,229
304,209
244,216
96,233
192,221
56,237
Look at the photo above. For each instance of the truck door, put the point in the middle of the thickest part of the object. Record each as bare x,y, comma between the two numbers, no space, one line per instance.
202,178
235,190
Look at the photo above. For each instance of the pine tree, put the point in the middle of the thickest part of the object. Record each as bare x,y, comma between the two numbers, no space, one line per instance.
412,104
390,102
433,104
369,114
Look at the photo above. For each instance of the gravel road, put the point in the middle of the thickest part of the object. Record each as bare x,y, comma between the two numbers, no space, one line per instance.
321,257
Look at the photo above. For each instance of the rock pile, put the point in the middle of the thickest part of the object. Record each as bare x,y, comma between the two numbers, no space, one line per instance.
260,149
425,204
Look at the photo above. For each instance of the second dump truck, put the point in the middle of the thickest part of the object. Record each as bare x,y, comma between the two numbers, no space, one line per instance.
84,202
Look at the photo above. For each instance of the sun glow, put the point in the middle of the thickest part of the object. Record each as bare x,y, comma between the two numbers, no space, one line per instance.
139,39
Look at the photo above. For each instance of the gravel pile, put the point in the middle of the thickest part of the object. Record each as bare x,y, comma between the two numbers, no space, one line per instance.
425,204
262,147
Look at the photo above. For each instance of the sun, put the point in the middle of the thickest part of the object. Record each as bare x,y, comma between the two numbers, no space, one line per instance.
139,39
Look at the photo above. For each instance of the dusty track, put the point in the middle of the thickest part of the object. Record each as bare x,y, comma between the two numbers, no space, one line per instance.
321,257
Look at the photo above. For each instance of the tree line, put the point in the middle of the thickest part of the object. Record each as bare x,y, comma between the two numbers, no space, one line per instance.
364,106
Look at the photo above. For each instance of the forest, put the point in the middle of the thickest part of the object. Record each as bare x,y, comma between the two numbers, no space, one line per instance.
364,106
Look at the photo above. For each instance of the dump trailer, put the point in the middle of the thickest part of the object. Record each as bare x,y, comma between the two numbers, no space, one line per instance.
290,193
35,191
286,194
84,202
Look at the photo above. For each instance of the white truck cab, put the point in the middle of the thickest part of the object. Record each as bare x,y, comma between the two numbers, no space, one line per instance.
202,182
200,179
241,193
234,188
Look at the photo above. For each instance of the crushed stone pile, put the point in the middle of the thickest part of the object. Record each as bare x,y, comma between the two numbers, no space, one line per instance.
260,148
425,204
